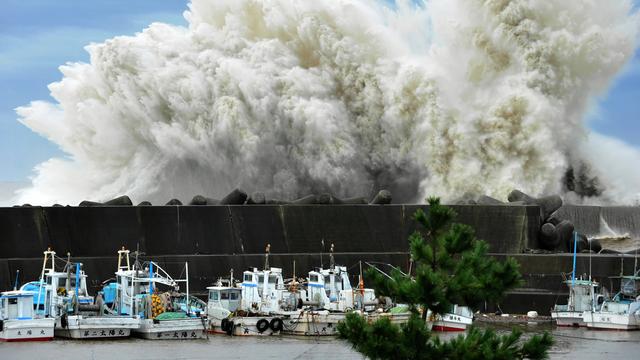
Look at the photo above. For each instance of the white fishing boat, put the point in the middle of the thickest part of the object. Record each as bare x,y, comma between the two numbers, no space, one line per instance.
584,295
458,319
77,314
226,317
162,313
622,312
18,320
255,307
328,299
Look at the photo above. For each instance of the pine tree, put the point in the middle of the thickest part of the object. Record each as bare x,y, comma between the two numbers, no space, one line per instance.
451,267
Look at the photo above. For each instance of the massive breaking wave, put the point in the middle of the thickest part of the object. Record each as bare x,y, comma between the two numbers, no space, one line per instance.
346,96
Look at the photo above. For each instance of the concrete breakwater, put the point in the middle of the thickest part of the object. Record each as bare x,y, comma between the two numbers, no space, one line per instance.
216,238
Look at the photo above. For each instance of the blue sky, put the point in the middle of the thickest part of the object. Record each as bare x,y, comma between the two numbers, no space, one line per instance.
37,36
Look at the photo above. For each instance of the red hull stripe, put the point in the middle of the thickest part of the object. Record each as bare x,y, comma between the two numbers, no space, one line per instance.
446,328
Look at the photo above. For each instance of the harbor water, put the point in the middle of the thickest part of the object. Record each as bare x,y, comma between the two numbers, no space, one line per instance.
571,343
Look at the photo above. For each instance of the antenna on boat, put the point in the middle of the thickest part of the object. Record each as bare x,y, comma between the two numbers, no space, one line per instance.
294,283
361,282
266,256
575,245
332,263
321,250
231,277
15,285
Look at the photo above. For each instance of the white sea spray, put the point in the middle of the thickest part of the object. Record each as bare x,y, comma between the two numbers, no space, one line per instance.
344,96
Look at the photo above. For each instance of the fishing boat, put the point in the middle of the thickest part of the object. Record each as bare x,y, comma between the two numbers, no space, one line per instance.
252,307
584,295
66,298
18,320
148,293
622,312
458,319
328,299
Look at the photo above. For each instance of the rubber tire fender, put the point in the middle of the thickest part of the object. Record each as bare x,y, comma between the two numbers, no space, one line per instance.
64,322
276,324
262,325
224,324
229,330
1,325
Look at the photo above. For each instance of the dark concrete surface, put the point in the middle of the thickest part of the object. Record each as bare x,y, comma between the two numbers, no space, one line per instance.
214,239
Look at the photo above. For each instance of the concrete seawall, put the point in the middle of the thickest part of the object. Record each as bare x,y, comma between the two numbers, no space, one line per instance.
214,239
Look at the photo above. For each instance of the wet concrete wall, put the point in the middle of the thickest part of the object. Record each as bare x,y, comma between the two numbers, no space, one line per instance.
609,220
180,230
214,239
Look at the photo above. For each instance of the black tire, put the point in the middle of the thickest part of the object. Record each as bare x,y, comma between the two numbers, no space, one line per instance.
300,304
1,325
64,321
276,324
229,330
224,324
262,325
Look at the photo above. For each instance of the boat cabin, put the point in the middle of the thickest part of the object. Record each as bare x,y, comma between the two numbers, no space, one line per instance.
262,289
225,297
329,281
16,305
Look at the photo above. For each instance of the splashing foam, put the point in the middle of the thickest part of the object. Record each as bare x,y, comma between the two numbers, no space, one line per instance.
292,97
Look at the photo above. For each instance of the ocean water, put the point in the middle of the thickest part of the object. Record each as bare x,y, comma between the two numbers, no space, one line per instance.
571,343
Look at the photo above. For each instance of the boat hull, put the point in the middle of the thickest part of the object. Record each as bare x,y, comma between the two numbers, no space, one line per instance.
312,323
244,326
103,327
568,318
27,330
323,323
451,322
611,321
182,329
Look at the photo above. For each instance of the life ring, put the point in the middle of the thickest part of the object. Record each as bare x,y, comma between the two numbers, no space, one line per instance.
262,325
276,324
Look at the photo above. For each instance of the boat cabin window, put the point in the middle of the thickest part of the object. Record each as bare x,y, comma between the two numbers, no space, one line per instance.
13,301
233,295
247,277
214,295
261,278
313,278
273,279
224,295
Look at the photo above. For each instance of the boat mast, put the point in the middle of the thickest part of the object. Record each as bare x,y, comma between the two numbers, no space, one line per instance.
571,304
575,245
15,285
186,269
